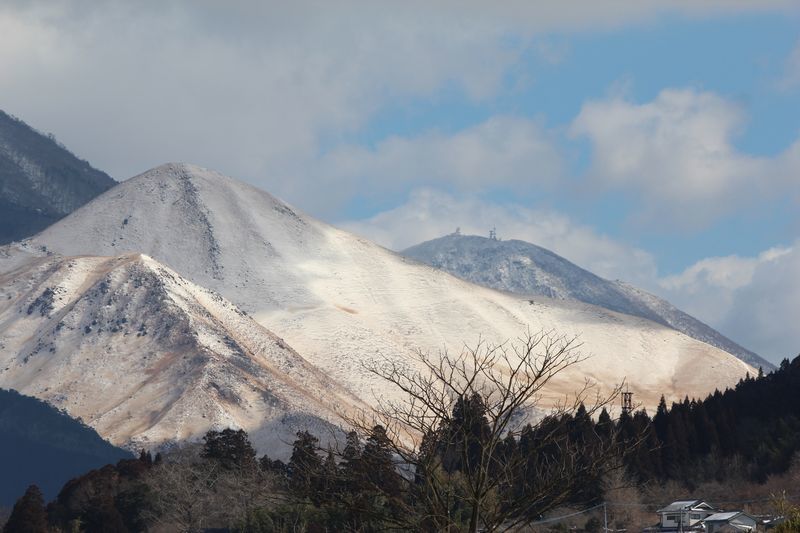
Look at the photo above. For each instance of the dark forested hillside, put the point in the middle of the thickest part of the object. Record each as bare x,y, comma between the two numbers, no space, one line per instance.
43,446
751,431
40,180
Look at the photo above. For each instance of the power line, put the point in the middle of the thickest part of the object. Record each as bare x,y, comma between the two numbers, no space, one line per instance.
557,518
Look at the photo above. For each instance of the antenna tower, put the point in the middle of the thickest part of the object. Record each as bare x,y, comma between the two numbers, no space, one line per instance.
627,402
493,234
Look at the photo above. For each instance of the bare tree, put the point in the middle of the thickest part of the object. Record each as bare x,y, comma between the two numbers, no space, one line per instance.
193,492
460,419
184,489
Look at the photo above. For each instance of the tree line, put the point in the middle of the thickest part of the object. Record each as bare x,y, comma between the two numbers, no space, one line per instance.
459,452
751,431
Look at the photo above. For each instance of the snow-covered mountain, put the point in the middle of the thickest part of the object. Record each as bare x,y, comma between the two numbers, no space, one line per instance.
146,357
340,300
526,269
40,180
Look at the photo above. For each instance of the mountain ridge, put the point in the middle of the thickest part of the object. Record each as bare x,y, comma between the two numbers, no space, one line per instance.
147,358
526,269
340,300
40,180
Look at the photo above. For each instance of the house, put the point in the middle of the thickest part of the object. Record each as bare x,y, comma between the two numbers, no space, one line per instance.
731,521
685,515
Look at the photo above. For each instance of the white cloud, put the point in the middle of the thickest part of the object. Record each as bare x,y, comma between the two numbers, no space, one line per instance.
248,89
753,300
708,288
730,273
429,214
251,88
764,313
503,152
676,153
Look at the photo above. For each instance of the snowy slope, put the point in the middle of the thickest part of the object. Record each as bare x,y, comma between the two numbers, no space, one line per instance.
340,300
146,357
526,269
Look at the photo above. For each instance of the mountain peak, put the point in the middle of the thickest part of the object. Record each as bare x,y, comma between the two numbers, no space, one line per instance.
527,269
104,337
195,220
180,170
340,300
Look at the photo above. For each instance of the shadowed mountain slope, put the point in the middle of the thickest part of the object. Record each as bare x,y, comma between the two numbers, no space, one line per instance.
43,446
40,180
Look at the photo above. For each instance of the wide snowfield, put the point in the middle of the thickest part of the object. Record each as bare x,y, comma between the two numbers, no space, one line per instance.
334,299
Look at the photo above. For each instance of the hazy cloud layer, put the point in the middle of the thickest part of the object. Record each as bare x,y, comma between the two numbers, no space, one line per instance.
708,287
250,88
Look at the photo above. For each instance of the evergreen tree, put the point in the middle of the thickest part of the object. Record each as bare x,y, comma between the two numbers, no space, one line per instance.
231,448
378,464
330,480
660,421
305,466
28,515
146,458
466,434
605,426
351,461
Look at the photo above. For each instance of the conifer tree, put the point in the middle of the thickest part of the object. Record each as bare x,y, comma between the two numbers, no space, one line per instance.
605,426
351,460
232,448
28,515
378,464
305,466
459,410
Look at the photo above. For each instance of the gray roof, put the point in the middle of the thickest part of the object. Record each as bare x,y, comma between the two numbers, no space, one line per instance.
682,505
721,517
724,517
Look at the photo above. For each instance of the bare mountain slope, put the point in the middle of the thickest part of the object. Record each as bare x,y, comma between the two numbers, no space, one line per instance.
529,270
340,300
146,357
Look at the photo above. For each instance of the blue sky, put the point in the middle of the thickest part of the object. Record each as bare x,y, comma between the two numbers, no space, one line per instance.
655,142
740,56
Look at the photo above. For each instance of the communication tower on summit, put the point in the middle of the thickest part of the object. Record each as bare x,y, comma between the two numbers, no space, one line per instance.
627,402
493,234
